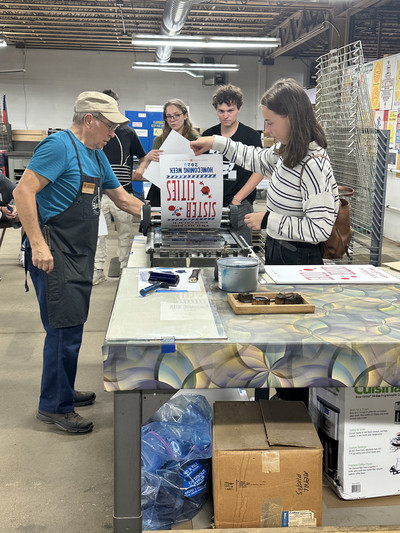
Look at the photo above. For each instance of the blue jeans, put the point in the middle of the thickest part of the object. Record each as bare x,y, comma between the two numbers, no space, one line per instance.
60,353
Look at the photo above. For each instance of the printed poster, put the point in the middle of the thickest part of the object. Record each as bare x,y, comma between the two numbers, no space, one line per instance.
328,274
387,83
392,125
191,191
396,99
397,136
376,84
367,75
379,119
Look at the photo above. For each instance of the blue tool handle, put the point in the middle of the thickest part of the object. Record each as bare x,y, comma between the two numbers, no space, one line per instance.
151,288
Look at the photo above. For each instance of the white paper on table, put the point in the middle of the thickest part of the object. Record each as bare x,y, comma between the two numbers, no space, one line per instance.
185,307
179,315
191,191
175,143
103,230
328,274
183,286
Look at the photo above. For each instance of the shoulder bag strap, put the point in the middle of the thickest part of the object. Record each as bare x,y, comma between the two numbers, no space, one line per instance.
343,190
309,159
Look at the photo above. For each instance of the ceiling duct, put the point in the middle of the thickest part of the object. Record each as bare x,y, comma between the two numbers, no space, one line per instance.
174,18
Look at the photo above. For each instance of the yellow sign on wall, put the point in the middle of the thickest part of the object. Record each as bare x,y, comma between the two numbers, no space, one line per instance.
376,84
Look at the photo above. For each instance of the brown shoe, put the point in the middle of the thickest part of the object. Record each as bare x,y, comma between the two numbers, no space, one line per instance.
70,422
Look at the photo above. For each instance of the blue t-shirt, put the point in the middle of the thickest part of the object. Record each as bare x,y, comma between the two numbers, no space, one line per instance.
55,159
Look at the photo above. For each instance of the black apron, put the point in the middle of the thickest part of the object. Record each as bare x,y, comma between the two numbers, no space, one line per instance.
72,239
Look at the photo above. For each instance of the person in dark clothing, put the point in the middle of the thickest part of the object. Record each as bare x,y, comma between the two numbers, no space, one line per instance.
8,212
239,184
120,151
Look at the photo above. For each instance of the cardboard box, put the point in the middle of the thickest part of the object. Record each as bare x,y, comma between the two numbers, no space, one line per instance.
29,135
360,430
267,465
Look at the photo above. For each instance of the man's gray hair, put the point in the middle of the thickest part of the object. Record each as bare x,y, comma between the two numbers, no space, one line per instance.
78,118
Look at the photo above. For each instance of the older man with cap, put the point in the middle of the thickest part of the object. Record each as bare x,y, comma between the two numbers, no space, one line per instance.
58,203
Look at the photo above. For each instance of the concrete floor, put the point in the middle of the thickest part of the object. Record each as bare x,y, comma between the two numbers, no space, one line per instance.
53,482
50,481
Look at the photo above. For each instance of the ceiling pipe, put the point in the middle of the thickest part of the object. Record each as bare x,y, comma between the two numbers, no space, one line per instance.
174,18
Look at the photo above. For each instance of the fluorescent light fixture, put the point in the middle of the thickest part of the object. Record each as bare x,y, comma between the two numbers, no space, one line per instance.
12,70
193,74
185,67
3,41
197,41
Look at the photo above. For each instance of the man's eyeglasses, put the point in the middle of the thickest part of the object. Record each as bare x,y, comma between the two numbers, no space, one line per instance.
173,117
111,127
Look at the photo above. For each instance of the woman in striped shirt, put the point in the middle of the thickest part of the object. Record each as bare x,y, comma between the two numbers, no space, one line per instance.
302,199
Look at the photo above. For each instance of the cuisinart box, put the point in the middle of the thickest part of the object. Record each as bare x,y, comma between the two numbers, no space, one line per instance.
359,428
267,465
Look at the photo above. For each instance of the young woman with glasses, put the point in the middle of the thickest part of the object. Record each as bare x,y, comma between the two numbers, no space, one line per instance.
176,117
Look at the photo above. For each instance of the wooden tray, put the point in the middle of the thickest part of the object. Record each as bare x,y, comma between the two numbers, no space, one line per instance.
241,308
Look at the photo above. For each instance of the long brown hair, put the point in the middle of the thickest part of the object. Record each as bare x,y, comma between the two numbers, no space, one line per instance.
288,99
188,129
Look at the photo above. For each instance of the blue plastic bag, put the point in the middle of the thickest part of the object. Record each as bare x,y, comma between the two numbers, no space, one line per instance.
176,461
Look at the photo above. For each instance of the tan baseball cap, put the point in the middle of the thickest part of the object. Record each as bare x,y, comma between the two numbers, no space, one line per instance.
95,102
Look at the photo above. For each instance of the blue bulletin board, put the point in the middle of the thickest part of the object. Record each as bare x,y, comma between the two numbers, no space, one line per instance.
147,124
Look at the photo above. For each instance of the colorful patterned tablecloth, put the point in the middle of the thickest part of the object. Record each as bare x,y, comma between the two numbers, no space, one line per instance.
353,338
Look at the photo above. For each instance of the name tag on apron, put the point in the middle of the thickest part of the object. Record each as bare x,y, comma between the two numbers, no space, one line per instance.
88,188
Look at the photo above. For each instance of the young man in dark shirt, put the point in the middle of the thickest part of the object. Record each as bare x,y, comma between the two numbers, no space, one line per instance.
239,184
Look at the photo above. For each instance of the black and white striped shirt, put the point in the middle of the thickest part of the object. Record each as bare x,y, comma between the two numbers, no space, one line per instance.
302,212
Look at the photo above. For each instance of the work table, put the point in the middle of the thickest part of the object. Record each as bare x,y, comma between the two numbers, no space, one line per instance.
353,335
167,341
